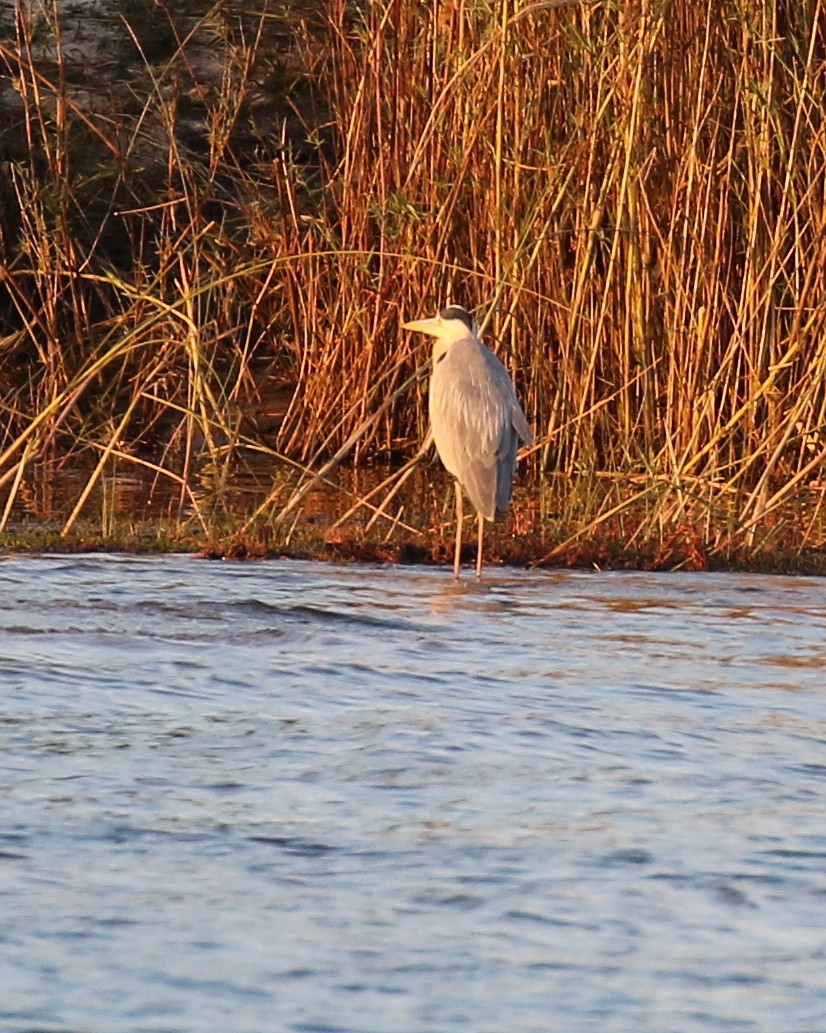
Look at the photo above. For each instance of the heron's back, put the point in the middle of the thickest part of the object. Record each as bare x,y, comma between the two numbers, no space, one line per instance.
477,423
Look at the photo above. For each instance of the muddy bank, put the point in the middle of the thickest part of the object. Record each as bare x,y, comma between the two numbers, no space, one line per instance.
361,515
600,552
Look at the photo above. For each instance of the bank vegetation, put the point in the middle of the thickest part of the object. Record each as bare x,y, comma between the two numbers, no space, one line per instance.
215,218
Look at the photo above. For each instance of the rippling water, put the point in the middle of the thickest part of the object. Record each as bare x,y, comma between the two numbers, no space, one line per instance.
298,797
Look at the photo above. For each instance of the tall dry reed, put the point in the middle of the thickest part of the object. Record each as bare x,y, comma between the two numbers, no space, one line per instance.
638,193
634,192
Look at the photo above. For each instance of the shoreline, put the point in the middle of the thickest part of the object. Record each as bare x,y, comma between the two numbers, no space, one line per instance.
598,553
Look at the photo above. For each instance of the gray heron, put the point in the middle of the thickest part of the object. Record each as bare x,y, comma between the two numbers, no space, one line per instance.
476,419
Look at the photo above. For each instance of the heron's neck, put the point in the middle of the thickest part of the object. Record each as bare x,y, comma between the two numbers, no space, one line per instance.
440,348
443,343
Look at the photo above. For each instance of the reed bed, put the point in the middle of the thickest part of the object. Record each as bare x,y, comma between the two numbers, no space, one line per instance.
632,195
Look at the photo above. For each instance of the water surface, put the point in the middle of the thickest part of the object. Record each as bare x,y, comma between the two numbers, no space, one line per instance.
291,796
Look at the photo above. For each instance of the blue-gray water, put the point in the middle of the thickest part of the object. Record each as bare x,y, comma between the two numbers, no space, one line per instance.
298,797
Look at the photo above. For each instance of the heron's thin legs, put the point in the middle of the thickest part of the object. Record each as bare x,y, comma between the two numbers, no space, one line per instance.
457,555
479,547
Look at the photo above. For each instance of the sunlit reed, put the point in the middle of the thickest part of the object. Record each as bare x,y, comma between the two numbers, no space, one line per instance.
634,194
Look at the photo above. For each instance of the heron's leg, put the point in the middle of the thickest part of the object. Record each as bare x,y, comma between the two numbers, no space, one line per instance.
479,547
457,554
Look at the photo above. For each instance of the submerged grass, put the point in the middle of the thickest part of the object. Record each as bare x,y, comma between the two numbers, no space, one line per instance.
214,219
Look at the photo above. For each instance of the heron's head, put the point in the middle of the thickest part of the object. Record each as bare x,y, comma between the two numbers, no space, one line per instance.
450,325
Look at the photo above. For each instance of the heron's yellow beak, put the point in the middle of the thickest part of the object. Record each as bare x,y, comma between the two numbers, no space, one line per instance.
424,326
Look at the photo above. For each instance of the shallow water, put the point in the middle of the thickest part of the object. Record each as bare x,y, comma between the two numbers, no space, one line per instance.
299,797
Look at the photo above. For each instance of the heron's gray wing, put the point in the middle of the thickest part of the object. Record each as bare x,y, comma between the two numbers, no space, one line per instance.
520,423
515,428
505,388
471,413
